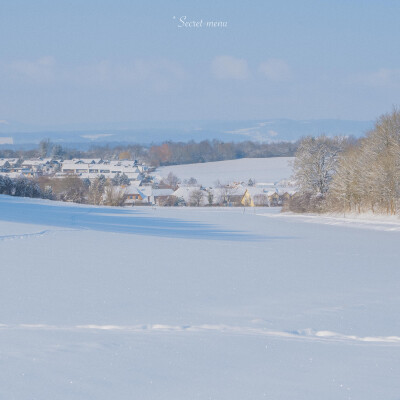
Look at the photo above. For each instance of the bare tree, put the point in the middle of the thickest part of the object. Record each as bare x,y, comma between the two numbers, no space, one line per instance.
368,174
168,201
114,195
70,188
171,180
192,181
261,200
210,197
196,197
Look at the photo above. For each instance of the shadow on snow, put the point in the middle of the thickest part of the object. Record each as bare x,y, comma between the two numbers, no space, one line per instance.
113,220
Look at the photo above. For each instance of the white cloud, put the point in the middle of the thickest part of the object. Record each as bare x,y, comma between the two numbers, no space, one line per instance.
4,122
275,70
157,75
136,71
40,70
384,77
227,67
272,133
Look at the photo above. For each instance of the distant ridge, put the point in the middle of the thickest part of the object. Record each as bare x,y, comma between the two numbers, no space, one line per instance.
268,130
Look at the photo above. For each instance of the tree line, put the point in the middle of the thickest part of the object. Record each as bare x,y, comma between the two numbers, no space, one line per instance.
341,175
167,153
22,187
100,191
173,153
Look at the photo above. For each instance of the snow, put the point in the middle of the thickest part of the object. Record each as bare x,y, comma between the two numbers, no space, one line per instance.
196,303
355,220
268,170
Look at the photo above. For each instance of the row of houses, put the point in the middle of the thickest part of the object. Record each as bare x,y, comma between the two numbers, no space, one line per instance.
185,195
16,167
84,168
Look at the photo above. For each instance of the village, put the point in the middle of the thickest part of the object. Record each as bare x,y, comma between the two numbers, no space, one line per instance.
142,185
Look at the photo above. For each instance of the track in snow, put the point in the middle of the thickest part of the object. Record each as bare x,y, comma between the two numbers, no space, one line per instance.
299,335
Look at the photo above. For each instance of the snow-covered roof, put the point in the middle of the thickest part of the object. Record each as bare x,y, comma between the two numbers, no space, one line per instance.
131,189
162,192
256,191
147,190
135,183
282,190
232,191
12,174
185,192
34,163
82,161
11,161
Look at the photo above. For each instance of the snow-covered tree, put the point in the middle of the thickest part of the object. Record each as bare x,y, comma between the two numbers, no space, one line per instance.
315,164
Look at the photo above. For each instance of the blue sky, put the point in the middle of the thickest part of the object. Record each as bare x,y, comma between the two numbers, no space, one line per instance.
64,62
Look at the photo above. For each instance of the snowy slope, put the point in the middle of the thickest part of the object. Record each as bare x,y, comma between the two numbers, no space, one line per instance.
263,170
102,303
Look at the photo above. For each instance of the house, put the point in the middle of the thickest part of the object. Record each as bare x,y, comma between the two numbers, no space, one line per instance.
186,194
39,166
4,165
135,196
161,196
260,197
265,196
286,193
254,196
229,195
9,164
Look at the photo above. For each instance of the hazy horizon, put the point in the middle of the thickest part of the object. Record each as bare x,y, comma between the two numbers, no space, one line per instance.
265,131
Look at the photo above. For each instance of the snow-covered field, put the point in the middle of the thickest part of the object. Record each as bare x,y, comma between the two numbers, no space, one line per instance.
263,170
183,303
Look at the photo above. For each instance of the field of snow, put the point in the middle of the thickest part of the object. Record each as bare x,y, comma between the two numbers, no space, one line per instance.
183,303
263,170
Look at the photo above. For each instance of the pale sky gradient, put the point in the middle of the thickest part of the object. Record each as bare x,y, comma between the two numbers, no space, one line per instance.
83,61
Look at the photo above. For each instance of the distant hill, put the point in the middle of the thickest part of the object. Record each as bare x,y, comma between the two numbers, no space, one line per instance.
272,130
261,170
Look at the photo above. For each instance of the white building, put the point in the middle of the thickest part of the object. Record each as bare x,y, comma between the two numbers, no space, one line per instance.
93,168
